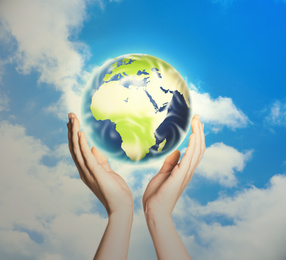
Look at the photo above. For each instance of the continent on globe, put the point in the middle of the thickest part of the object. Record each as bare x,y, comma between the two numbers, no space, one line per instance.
136,107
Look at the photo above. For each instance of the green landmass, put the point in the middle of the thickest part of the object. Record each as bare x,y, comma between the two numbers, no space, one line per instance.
162,145
133,130
140,62
134,119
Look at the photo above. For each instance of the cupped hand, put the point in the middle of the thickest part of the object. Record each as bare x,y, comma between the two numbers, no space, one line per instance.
95,172
168,184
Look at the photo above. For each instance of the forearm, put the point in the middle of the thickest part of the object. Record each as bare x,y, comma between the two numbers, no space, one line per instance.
167,242
115,241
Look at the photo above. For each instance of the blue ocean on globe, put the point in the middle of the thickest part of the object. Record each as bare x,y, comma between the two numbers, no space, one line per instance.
136,108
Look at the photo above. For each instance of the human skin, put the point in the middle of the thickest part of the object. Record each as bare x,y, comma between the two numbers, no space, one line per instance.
159,198
109,188
163,191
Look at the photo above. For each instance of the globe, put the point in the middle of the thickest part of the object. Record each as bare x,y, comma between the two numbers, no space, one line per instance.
136,108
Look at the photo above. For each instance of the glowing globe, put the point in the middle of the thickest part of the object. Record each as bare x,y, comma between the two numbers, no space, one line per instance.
136,107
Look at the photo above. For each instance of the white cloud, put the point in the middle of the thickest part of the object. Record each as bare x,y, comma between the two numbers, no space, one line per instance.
55,205
218,112
220,162
2,65
4,101
257,231
42,31
45,33
276,115
51,203
48,201
70,101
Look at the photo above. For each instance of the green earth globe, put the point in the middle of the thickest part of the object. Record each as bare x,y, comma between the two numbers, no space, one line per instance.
136,107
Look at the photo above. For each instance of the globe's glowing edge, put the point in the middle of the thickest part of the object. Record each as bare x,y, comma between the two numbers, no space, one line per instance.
136,108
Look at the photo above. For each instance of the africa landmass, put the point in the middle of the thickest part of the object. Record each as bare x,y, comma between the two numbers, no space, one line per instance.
135,97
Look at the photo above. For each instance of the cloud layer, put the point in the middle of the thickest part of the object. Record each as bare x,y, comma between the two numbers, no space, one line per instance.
256,225
44,34
44,210
220,162
48,213
220,112
276,115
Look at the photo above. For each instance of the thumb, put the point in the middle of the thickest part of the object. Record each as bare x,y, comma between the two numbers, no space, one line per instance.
170,162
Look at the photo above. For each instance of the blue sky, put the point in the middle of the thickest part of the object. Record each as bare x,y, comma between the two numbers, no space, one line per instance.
231,54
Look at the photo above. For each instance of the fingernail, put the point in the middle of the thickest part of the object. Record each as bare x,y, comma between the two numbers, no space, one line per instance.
72,120
70,115
79,134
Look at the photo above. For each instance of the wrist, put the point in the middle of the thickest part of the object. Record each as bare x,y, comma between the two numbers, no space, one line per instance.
121,216
155,218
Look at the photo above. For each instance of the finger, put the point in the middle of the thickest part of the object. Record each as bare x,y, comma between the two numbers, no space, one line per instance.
196,124
196,129
101,159
203,143
78,159
71,148
95,170
87,155
186,163
70,141
198,152
91,167
186,160
170,162
75,149
200,148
